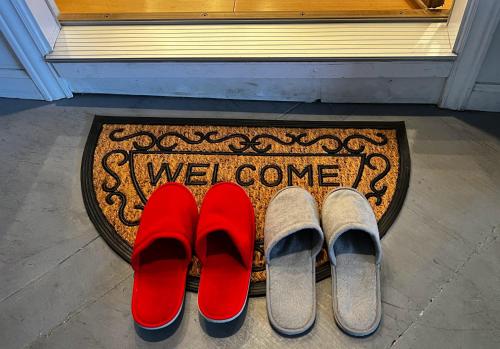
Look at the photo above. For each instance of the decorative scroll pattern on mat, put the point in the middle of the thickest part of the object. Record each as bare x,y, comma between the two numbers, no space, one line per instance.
126,160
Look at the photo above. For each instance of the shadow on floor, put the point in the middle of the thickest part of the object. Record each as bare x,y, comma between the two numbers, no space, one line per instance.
200,104
488,122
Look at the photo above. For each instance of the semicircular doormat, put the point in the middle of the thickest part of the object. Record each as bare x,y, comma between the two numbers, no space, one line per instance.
125,159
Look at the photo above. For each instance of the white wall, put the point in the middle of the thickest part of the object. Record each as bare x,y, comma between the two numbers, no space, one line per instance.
486,92
376,82
14,81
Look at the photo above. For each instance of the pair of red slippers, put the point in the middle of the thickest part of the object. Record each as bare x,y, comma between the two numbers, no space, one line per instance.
222,235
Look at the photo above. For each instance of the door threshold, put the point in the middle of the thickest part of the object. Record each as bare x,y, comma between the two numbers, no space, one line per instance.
254,42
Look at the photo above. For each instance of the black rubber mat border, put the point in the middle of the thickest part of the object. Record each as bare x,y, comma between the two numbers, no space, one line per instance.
124,250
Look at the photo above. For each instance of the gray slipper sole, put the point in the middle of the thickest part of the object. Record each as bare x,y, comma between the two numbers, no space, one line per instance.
355,254
292,239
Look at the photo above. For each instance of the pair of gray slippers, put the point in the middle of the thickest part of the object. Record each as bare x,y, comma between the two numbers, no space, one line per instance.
293,237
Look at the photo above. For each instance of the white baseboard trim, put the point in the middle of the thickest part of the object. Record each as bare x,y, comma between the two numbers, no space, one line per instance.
340,82
15,83
485,97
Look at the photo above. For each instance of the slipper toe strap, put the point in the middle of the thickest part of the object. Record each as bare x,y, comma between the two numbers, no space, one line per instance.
292,209
170,212
151,237
240,235
346,209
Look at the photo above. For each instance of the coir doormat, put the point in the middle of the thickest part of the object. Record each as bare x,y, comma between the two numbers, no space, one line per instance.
125,159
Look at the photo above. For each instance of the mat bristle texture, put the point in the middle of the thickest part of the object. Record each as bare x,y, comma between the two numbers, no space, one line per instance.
127,158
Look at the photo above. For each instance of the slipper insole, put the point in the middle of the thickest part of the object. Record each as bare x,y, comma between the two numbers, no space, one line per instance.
291,282
356,281
224,280
160,282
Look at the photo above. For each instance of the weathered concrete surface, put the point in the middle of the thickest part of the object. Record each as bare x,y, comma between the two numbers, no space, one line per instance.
62,287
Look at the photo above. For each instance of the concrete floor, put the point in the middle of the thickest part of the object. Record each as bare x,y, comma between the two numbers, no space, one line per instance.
62,287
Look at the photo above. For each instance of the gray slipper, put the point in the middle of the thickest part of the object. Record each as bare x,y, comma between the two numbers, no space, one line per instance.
355,253
292,239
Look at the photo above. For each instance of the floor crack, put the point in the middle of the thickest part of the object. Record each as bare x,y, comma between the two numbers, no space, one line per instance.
77,311
50,270
480,247
289,110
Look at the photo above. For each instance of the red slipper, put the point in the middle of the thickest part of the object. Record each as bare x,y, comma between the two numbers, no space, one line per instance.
161,256
224,244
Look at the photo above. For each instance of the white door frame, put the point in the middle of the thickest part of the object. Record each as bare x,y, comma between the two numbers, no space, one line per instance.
474,39
32,37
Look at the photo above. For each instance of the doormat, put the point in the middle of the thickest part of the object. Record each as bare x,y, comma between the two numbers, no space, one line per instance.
125,159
